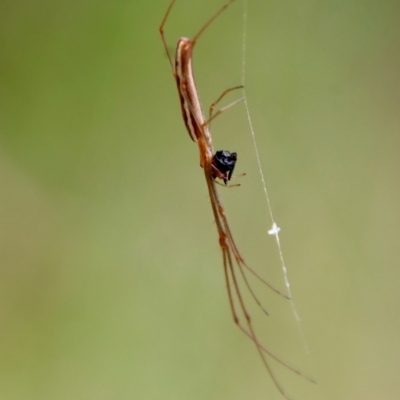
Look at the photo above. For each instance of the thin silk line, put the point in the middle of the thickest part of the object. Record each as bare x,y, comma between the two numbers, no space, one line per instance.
275,229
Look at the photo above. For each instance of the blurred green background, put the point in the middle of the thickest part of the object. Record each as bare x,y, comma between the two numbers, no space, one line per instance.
111,282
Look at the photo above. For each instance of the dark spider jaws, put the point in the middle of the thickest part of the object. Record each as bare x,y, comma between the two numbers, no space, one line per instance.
223,165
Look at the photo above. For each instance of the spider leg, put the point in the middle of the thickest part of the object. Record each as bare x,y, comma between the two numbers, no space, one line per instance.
228,247
161,29
250,331
230,276
239,259
221,110
229,186
224,93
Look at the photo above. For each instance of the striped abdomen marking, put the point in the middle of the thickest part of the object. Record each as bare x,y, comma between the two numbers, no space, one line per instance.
192,112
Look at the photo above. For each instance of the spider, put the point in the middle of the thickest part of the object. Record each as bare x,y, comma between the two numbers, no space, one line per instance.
218,165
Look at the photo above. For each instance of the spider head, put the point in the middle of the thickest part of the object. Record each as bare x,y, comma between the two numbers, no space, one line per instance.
223,164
